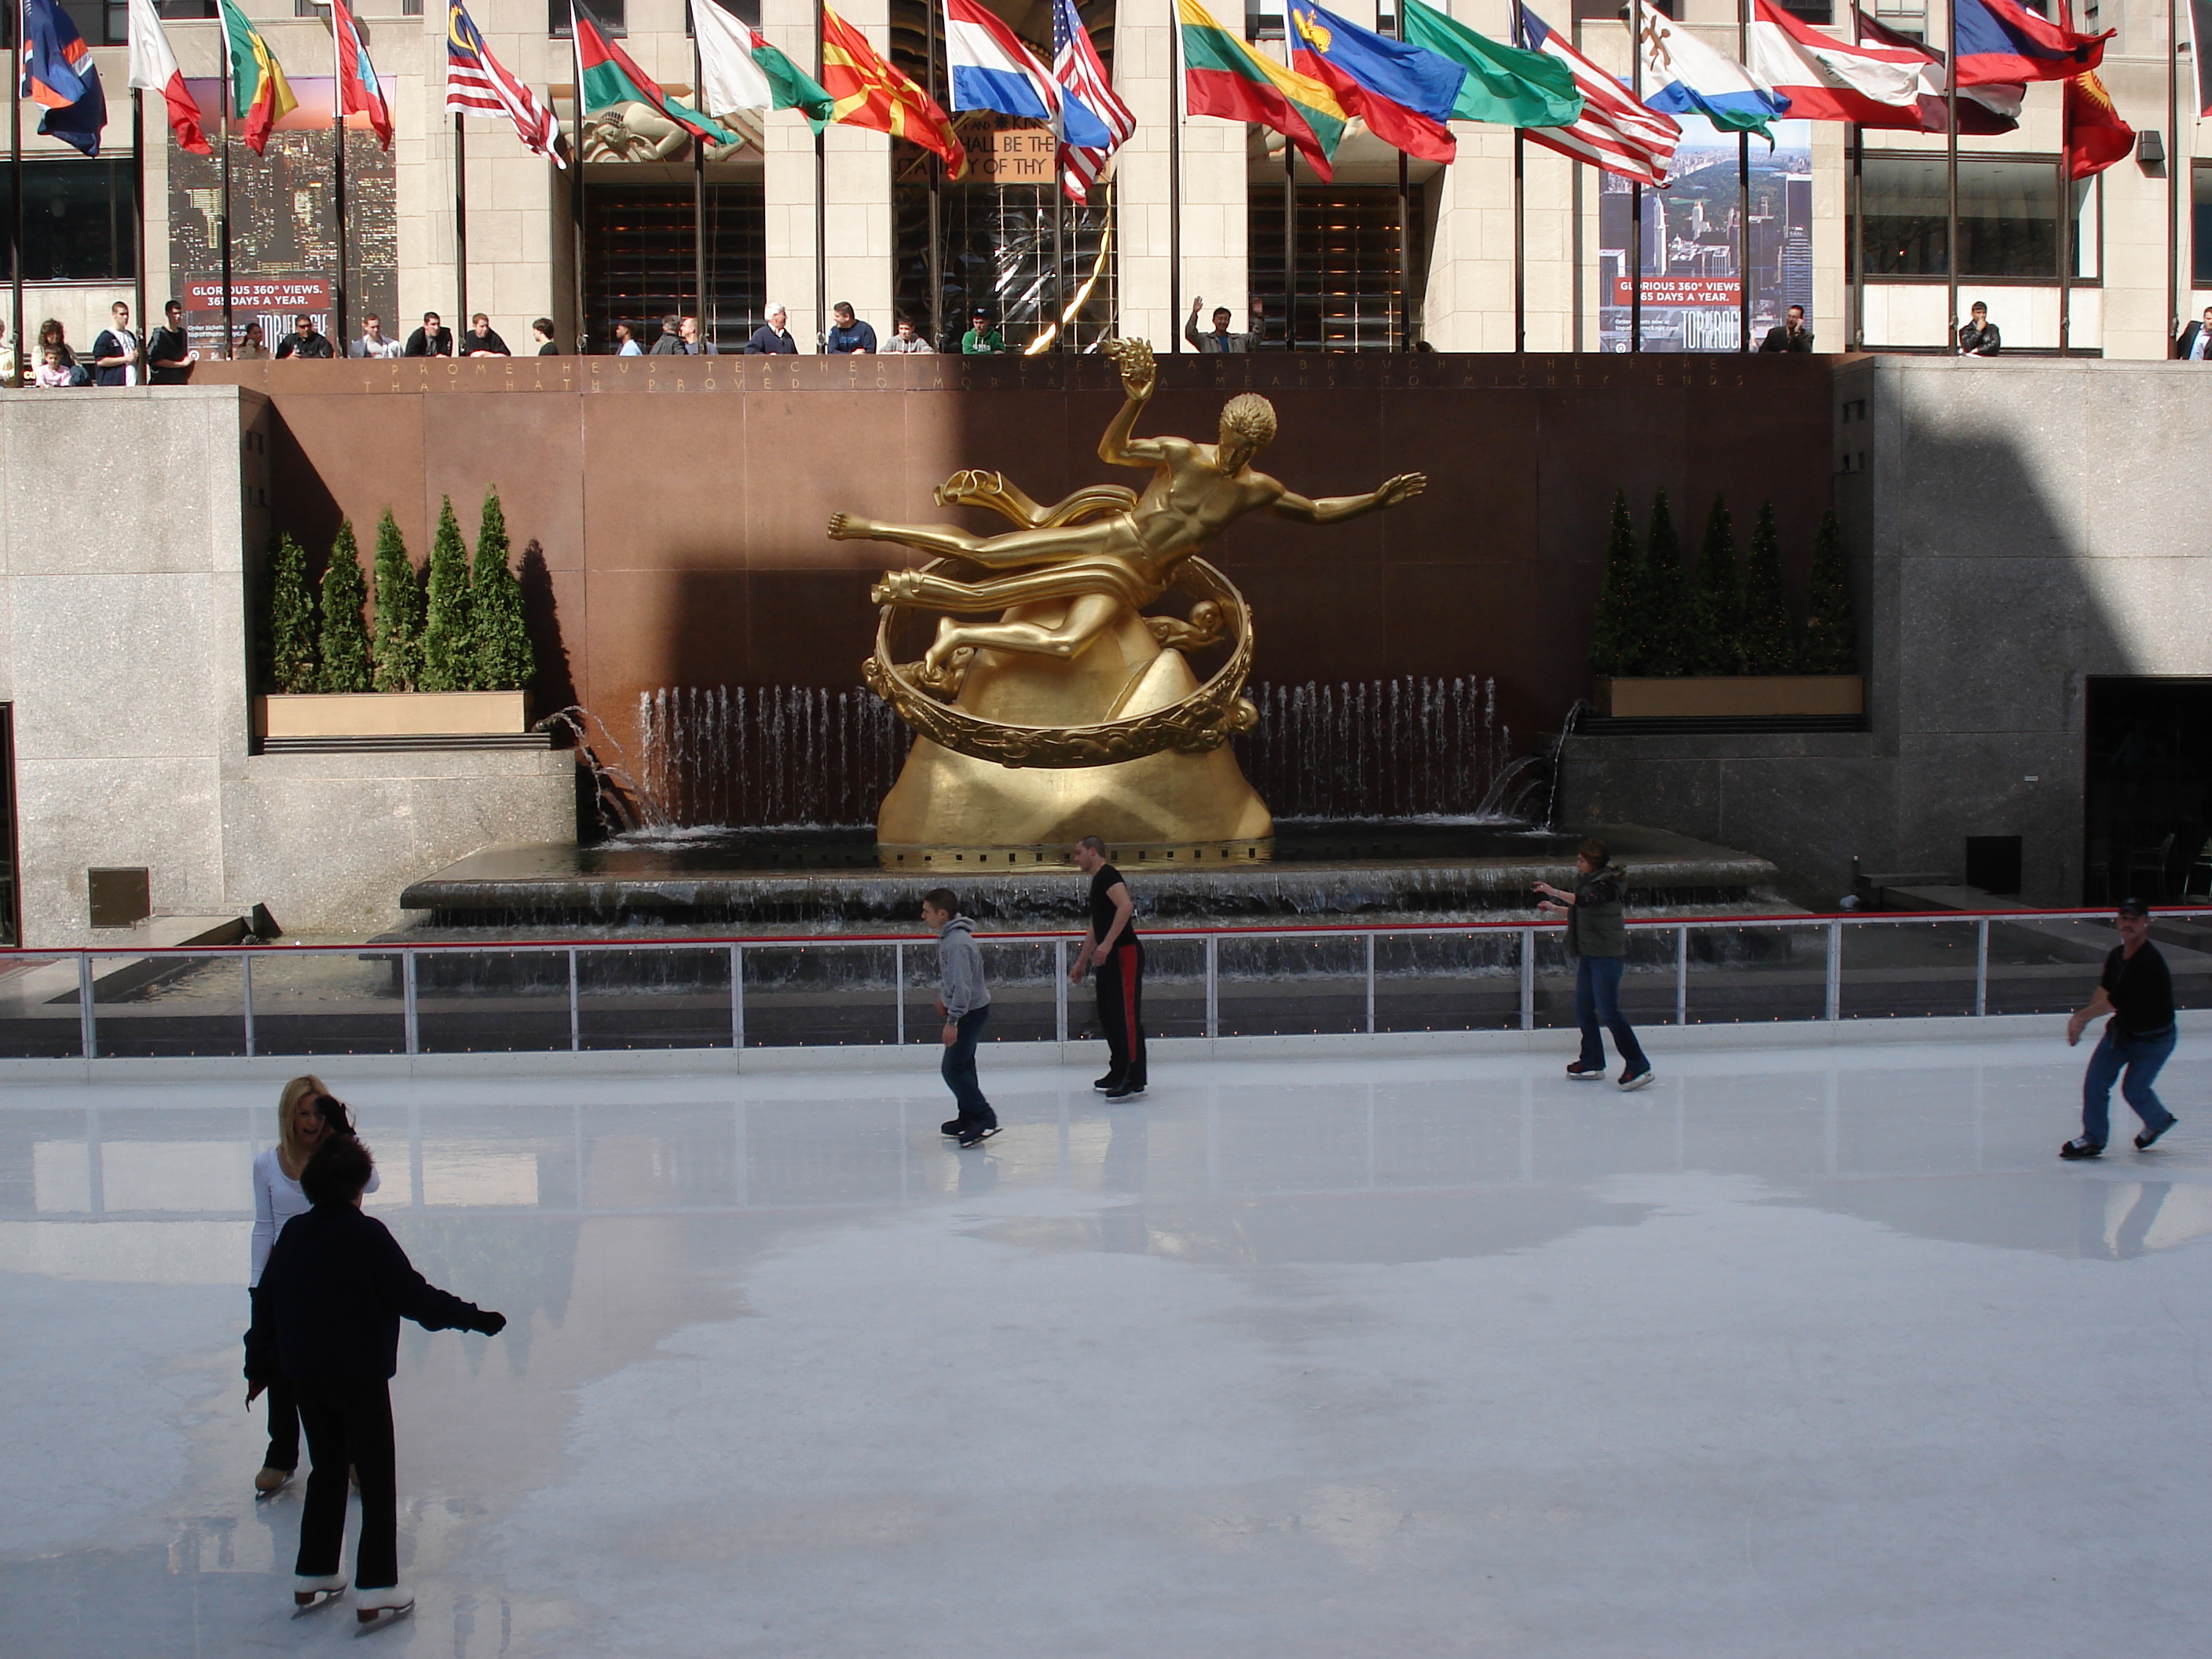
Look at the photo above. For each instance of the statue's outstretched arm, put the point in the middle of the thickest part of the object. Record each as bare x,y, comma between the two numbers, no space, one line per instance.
1335,509
1140,373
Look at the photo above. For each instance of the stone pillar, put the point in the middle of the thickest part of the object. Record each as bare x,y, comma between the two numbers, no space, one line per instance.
858,255
1213,191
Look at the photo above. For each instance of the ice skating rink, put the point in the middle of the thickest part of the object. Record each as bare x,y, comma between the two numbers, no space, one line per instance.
1807,1351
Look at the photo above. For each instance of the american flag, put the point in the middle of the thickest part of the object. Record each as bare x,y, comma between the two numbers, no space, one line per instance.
1615,132
1075,66
478,83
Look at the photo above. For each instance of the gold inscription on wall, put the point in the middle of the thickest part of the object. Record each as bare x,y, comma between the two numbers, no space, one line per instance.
1010,156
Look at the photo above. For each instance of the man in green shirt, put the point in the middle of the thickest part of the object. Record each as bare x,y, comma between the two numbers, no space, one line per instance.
983,340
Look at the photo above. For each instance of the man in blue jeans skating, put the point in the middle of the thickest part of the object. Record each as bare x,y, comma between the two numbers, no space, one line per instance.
1598,939
966,1002
2138,992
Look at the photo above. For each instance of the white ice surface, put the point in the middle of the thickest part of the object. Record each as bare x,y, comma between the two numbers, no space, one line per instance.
1803,1352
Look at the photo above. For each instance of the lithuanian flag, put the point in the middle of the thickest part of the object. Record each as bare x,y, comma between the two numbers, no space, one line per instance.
260,96
605,75
870,93
1222,75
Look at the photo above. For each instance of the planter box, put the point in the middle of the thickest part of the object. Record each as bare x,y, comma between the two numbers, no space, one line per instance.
1740,697
393,714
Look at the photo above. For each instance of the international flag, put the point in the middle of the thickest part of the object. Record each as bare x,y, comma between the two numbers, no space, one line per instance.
1613,132
1403,93
992,70
154,69
2001,41
58,75
1082,76
359,92
605,75
478,83
869,92
2095,135
1223,76
1983,112
1505,85
260,96
1826,80
740,71
1688,77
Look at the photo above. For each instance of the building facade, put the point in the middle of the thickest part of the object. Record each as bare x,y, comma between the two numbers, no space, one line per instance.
1373,259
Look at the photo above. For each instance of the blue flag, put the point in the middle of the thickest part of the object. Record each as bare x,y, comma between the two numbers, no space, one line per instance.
59,74
1404,92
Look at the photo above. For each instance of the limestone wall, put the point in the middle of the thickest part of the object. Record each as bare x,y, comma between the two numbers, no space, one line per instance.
2015,530
125,522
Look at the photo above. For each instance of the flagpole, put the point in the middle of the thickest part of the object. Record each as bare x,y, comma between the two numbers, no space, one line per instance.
821,201
1743,194
576,166
1858,222
2172,166
338,171
15,168
229,89
1175,180
1519,244
460,231
1951,172
2065,12
1576,250
1635,189
1405,259
138,210
699,184
1290,251
929,324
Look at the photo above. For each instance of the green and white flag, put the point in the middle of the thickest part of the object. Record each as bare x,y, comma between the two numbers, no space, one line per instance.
741,71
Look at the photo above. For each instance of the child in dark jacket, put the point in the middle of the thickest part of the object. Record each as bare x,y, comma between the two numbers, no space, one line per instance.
326,1319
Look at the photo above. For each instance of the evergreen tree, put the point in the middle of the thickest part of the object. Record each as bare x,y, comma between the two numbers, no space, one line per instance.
1717,606
291,619
399,611
448,653
503,658
1832,645
1662,625
345,635
1615,648
1770,644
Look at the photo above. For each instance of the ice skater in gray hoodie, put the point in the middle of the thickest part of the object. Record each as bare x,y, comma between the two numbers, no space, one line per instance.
966,1002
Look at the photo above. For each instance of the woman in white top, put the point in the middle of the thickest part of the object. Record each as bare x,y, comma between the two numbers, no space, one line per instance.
306,1114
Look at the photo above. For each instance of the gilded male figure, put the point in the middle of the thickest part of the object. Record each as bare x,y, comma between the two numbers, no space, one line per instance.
1124,555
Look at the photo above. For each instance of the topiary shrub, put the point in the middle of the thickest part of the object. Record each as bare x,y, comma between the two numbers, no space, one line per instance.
1663,623
398,656
291,619
345,645
1769,643
1716,630
503,658
448,645
1832,645
1614,649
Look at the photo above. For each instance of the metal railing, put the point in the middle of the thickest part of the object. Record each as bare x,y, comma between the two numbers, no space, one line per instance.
734,993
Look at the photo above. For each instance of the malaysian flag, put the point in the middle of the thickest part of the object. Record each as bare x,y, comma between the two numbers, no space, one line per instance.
478,83
1615,132
1075,66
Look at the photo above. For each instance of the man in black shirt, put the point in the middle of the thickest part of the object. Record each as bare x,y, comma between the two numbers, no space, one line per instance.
1112,948
168,354
433,339
303,341
2138,992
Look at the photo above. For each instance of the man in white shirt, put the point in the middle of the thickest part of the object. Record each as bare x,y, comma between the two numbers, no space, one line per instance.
373,342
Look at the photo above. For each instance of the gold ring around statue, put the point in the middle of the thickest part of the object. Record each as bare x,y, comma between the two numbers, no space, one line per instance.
1204,720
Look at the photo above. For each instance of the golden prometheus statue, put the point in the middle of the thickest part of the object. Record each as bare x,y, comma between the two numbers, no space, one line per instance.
1073,713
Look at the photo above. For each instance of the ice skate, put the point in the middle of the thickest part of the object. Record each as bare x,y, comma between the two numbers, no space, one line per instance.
374,1609
312,1594
271,1480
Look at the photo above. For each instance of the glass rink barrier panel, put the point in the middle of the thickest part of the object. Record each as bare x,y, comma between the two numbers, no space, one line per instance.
1022,976
324,1002
487,1001
41,1008
2050,964
1761,972
818,995
1285,984
1647,980
168,1005
1449,981
1907,968
1176,995
667,997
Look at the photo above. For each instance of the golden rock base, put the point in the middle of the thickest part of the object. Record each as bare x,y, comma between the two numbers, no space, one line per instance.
949,808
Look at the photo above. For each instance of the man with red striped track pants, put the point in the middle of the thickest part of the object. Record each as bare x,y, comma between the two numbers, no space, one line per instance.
1113,949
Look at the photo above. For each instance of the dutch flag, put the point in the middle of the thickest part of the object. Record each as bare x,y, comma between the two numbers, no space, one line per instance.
992,70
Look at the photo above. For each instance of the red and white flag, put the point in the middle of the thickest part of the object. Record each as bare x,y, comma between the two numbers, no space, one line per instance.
154,69
478,83
360,92
1826,80
1082,76
1983,112
1615,132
